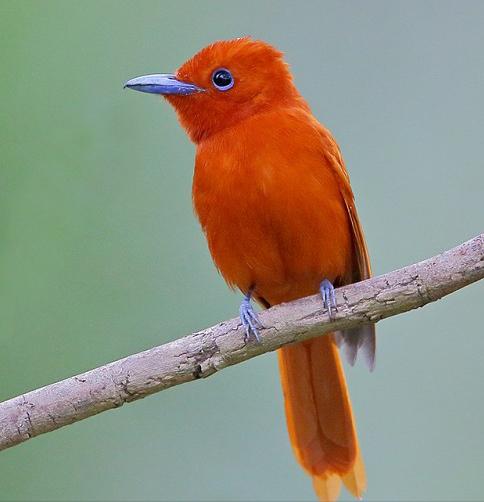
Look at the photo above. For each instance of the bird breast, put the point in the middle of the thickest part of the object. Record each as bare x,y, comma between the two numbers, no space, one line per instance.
271,207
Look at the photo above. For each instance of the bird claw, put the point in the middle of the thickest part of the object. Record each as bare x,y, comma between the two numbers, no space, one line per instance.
329,298
250,319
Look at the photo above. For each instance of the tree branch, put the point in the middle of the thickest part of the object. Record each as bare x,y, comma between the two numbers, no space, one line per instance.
201,354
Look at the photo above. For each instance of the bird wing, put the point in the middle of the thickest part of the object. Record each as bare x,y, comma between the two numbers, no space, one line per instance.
363,337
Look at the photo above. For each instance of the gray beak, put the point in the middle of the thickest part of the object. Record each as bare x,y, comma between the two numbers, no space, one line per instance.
162,83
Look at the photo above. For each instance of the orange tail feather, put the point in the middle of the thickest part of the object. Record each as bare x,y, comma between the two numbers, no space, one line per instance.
319,417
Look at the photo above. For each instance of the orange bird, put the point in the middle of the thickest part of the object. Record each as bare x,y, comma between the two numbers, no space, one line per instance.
274,199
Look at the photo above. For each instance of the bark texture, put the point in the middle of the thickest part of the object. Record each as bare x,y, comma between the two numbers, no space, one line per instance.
203,353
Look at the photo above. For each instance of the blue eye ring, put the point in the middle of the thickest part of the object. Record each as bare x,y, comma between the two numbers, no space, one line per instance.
222,79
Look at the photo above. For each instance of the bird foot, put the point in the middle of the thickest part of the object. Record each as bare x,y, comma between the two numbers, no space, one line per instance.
250,319
329,298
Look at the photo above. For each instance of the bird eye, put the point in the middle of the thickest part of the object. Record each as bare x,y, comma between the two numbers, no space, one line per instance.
222,79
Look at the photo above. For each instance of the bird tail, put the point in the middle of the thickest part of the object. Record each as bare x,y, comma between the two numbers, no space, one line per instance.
319,417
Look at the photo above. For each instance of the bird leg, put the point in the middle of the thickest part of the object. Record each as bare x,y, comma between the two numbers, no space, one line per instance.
248,316
329,298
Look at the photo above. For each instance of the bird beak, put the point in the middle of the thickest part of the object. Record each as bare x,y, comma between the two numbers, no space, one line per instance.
162,83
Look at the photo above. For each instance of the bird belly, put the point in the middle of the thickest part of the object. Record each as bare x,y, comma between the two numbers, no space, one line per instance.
282,240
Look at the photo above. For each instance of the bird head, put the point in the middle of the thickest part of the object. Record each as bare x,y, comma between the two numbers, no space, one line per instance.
223,84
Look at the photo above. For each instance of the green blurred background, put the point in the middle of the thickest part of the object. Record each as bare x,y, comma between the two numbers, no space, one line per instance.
101,256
